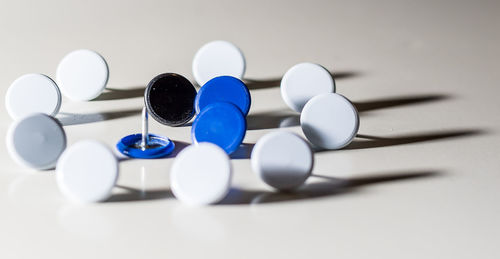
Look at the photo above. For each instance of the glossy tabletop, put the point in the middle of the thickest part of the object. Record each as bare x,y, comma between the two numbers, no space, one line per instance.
421,179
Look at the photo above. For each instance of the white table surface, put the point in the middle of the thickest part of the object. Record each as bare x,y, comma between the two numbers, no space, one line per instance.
421,180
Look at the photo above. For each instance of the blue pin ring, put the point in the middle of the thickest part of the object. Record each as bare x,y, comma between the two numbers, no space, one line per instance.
158,146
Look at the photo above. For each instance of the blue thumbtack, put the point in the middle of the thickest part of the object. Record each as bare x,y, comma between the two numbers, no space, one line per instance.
220,123
223,89
145,145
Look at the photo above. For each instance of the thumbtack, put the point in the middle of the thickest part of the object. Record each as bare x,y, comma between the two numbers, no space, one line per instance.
81,75
304,81
87,171
169,98
36,141
32,93
223,89
222,124
201,174
340,127
145,145
282,160
218,58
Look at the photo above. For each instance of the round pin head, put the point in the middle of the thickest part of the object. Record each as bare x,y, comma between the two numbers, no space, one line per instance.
36,141
222,124
32,93
218,58
82,75
304,81
329,121
282,159
224,89
169,98
201,174
87,172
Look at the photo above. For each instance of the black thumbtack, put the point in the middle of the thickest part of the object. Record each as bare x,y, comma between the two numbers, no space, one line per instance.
169,99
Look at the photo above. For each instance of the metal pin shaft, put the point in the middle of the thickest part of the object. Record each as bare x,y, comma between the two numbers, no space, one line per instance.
145,133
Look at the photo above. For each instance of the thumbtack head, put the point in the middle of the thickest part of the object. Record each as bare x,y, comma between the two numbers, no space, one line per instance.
82,75
169,99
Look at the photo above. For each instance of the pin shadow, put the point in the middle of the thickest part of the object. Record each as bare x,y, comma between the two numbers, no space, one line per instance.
68,119
375,142
281,119
244,151
122,158
134,194
179,146
329,186
274,119
398,101
255,84
115,93
344,74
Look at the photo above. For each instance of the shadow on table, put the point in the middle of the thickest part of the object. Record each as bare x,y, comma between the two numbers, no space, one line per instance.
243,152
255,84
115,93
179,146
375,142
68,119
274,119
329,186
376,104
134,194
289,118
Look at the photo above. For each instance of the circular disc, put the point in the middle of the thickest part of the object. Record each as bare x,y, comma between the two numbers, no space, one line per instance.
282,159
82,75
304,81
158,146
87,171
224,89
201,174
218,58
222,124
32,93
36,141
329,121
169,99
